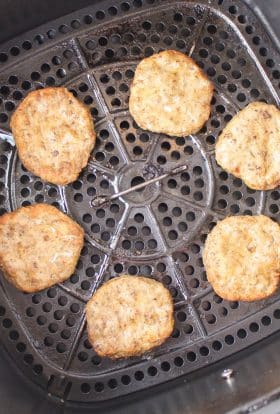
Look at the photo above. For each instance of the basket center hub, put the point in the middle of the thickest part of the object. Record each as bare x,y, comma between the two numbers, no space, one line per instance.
137,174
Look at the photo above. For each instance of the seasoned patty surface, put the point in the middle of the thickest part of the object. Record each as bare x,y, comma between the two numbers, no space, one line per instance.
170,94
242,257
128,316
54,134
249,146
39,246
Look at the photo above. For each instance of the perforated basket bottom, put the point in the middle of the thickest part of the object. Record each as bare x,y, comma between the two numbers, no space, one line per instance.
158,232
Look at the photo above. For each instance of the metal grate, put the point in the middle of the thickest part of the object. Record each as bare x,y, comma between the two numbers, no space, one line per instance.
159,231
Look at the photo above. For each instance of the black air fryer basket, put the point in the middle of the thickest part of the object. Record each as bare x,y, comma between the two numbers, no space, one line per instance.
158,232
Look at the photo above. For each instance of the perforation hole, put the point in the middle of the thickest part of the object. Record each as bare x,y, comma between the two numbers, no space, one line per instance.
139,375
85,388
254,327
13,335
204,351
241,333
14,51
188,329
75,24
178,361
126,380
210,318
38,369
21,347
152,371
216,345
276,314
41,320
50,81
48,341
229,339
7,323
4,90
112,383
266,320
165,366
223,311
191,356
99,387
181,316
3,117
3,57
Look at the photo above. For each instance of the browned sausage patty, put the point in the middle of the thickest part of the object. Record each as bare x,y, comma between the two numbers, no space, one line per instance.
39,246
128,316
54,134
249,146
170,94
242,257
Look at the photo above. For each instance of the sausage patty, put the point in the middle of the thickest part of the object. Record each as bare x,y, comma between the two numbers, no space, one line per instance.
39,246
54,134
170,94
249,146
242,257
128,316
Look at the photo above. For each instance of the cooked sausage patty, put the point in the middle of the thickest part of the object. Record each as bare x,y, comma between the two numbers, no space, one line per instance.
242,257
128,316
249,146
54,134
39,247
170,94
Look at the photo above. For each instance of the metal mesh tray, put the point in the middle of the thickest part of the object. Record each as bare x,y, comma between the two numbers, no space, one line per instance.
158,232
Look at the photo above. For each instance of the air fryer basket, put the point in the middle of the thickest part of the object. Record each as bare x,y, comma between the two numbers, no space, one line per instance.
158,232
